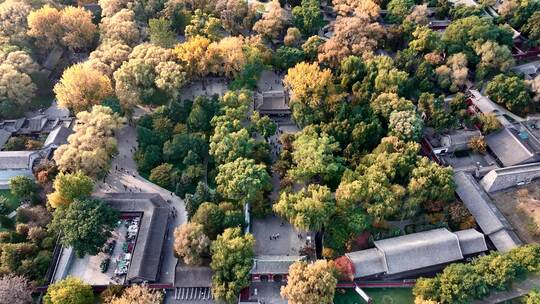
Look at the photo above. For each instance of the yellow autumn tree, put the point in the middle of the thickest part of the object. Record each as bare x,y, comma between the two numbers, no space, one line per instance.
81,87
226,57
192,54
71,27
310,283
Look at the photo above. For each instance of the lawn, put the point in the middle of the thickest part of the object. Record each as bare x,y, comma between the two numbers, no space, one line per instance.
379,296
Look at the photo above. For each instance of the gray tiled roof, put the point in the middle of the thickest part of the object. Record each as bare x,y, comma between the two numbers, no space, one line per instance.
458,140
58,136
419,250
510,149
149,245
416,251
471,241
367,262
4,137
16,159
274,264
488,217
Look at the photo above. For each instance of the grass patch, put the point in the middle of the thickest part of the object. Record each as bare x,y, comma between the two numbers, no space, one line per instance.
379,296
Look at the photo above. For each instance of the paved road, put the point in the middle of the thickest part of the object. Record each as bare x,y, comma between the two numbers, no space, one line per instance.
123,177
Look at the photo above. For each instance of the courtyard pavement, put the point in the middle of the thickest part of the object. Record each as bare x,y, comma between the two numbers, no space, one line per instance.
123,177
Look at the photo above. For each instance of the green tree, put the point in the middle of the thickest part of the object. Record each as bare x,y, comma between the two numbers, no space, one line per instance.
204,25
232,260
211,217
287,57
309,209
430,183
352,71
263,124
85,236
533,297
161,32
202,194
231,146
22,187
511,92
532,27
315,155
69,187
308,17
399,9
243,180
386,103
70,290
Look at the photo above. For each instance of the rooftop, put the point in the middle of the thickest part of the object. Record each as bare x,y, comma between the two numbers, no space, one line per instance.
514,145
416,251
148,249
488,217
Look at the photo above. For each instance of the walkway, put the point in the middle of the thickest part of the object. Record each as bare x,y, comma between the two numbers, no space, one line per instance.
123,177
518,289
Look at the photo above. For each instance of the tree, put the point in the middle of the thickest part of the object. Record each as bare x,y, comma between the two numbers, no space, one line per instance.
120,28
462,33
425,40
313,92
243,180
387,103
287,57
71,27
13,21
192,53
374,192
70,290
161,33
429,183
419,15
90,148
494,58
310,283
226,57
235,15
478,144
17,89
232,260
532,297
108,57
69,187
308,17
15,289
210,216
314,155
489,122
204,25
231,146
162,175
362,8
511,92
532,27
311,47
190,243
22,187
399,9
273,22
82,87
138,294
88,236
309,209
293,37
406,125
352,36
263,124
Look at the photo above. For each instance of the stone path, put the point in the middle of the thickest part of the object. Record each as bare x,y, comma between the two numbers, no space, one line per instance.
123,177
